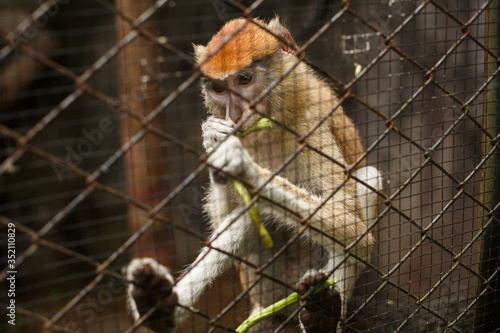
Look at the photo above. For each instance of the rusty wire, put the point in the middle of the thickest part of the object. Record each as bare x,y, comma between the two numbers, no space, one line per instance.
26,143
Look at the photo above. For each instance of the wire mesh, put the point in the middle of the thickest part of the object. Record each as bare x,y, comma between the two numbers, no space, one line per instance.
101,158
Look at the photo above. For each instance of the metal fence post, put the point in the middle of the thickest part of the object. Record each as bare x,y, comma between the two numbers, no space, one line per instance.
487,315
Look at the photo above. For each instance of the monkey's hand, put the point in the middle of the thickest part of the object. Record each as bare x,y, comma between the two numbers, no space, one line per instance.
232,159
151,285
321,311
214,130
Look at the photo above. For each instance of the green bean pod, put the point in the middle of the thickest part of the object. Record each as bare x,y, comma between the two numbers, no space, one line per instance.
253,212
280,306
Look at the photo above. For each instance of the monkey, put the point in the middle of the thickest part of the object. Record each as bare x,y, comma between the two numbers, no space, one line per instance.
252,68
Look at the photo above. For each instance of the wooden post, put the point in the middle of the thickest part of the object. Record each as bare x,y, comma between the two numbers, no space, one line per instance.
139,90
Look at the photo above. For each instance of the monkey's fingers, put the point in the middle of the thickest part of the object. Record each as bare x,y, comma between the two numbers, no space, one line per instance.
322,304
150,293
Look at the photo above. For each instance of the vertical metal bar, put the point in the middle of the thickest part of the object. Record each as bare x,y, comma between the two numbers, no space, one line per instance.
487,313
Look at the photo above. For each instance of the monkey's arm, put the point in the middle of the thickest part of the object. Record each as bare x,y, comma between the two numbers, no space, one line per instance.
229,241
335,222
150,279
336,216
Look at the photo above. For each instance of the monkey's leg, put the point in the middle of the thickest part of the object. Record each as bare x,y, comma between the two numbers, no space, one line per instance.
367,198
336,216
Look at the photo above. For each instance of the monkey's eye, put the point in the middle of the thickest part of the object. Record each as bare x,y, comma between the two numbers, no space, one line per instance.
244,79
218,88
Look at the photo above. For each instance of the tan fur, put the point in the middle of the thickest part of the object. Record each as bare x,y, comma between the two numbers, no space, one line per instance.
253,43
300,102
313,185
347,137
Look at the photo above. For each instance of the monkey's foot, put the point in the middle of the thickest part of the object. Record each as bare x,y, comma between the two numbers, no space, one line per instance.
151,285
321,311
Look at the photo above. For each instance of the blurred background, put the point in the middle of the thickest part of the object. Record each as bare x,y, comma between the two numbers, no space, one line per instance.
100,123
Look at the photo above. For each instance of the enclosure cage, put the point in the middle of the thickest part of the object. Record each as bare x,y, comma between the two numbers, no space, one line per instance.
101,161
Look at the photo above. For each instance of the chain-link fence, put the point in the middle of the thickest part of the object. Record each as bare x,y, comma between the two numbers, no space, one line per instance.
102,161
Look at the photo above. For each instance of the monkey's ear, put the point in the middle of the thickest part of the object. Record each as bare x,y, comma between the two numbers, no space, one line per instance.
198,50
287,42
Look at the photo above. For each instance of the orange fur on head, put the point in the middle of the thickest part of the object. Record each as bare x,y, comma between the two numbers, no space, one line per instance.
249,44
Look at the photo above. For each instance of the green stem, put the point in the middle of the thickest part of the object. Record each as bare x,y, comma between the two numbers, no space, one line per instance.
253,212
262,123
280,306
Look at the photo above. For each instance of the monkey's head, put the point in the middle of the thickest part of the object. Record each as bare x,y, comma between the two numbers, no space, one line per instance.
243,59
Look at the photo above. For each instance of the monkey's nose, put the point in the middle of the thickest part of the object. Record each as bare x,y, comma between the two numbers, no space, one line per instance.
233,113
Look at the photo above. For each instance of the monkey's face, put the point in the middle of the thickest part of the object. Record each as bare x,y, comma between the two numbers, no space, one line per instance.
235,97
